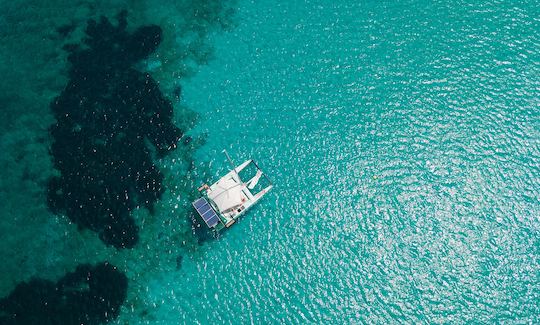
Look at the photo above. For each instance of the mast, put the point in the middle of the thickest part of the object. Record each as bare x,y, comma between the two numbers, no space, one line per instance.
232,165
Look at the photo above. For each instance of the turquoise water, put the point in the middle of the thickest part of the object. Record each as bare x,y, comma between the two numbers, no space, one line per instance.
403,139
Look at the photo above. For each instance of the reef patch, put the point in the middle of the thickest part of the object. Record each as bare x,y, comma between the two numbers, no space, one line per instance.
90,295
112,120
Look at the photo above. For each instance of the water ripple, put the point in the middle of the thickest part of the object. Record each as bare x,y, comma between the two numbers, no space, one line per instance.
404,144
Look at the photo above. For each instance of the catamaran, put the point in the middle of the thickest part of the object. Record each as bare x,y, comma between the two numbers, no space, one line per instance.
223,202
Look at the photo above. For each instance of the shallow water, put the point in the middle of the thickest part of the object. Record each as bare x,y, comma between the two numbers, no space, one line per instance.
403,140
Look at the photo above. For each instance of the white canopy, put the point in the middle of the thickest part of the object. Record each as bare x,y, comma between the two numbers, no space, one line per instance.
226,194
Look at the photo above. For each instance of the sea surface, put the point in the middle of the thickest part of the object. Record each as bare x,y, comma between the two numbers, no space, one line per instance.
403,141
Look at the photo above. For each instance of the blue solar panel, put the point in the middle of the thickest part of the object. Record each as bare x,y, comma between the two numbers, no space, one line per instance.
199,203
213,221
205,208
206,211
207,214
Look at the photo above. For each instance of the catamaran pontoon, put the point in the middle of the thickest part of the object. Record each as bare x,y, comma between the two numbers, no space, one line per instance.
223,202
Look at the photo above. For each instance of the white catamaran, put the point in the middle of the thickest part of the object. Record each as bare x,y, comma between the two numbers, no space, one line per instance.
223,202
